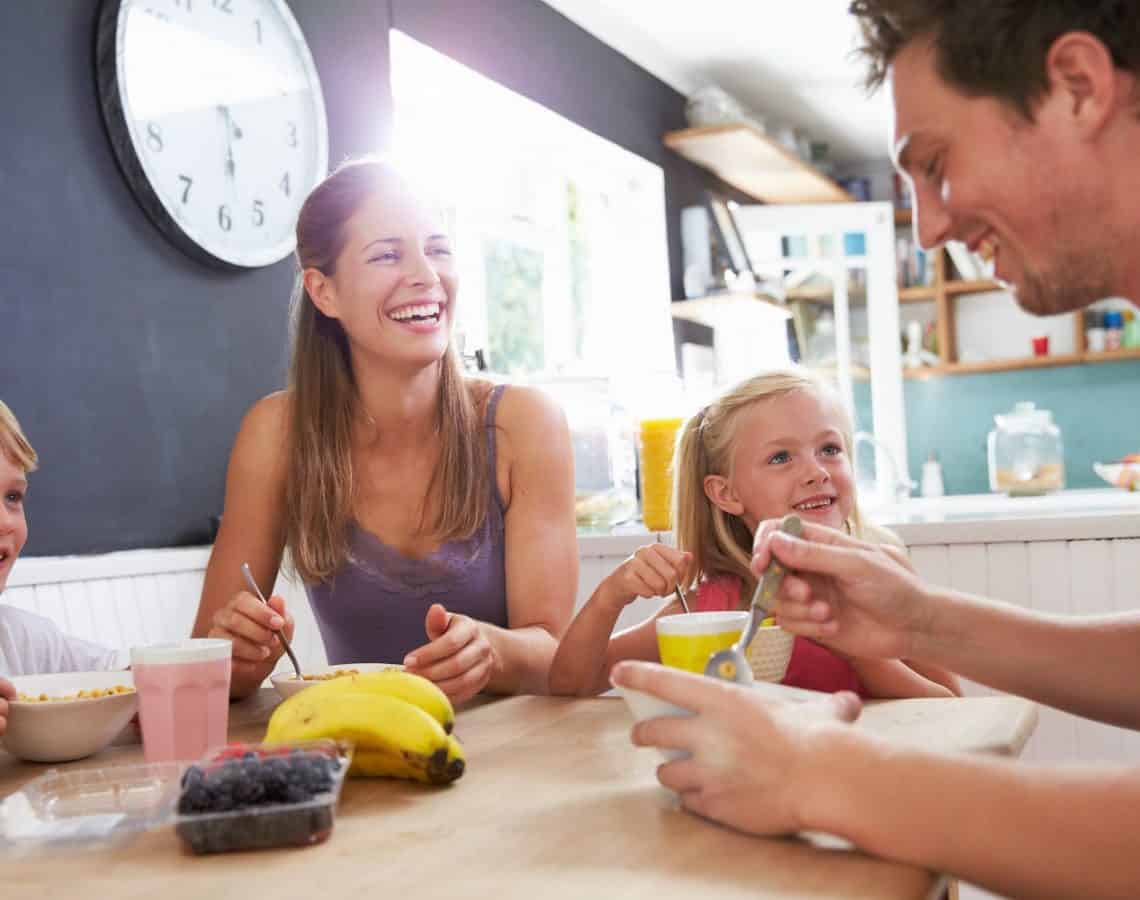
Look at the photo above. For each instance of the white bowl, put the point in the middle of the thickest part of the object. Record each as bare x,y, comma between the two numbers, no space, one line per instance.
1122,475
287,683
62,730
644,706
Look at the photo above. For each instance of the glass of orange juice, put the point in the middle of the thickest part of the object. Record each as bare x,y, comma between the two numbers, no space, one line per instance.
656,441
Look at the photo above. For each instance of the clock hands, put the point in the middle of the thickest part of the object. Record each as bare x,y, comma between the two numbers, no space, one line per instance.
232,132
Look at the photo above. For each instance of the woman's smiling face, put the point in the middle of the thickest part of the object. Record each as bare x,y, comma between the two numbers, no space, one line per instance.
394,284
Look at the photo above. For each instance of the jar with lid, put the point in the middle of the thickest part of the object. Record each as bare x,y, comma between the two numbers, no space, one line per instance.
1026,455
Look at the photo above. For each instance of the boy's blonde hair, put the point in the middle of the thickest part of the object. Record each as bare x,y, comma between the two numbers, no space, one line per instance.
721,544
13,442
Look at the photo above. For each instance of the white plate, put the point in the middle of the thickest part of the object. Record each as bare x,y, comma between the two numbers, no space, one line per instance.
287,683
1122,475
62,730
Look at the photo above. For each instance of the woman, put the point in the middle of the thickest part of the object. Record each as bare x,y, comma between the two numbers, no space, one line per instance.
430,515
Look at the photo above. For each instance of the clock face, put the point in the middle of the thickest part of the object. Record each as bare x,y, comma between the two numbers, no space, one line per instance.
216,116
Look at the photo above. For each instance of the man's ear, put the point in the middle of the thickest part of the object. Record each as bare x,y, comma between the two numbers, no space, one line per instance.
320,289
1083,81
721,495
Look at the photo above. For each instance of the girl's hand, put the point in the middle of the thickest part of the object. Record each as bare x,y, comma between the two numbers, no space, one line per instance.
7,692
652,571
458,656
249,624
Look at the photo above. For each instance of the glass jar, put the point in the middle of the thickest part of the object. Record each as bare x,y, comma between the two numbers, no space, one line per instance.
1026,456
602,436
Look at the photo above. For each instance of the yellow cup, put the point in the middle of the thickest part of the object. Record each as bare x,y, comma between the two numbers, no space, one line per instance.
656,440
687,640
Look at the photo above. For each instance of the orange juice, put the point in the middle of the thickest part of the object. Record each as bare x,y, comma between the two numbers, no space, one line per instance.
656,440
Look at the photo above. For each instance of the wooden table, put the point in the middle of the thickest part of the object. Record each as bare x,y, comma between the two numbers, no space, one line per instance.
556,803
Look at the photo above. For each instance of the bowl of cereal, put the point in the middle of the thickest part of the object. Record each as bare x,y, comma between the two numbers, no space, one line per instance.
287,683
68,715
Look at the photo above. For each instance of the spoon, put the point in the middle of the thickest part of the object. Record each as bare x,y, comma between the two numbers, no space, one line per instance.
732,664
681,596
280,636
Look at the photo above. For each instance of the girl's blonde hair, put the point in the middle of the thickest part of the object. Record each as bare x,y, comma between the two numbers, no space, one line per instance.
323,401
721,544
13,443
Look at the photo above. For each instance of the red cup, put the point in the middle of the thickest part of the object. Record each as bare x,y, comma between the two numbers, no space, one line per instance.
1041,345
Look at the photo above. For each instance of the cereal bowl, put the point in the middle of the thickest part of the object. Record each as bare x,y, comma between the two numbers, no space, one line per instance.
644,706
58,719
287,683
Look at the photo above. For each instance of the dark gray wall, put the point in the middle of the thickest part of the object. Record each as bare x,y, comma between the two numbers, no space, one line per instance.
129,364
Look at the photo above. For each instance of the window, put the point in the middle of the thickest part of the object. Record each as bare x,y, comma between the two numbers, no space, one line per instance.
560,234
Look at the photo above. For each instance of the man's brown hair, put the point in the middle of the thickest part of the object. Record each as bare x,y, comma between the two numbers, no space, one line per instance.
994,48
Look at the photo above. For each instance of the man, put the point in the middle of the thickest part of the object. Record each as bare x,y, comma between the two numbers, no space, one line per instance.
1017,123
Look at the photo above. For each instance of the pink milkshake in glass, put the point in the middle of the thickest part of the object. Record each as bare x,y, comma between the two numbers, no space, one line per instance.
184,697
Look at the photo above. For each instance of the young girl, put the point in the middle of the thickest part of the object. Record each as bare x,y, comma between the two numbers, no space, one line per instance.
29,644
777,443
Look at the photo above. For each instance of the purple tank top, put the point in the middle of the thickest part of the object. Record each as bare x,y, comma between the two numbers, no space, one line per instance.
373,609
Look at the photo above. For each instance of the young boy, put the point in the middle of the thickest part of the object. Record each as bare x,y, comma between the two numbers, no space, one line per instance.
29,644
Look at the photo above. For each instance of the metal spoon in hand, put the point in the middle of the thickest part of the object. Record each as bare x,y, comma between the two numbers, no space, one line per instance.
280,634
732,664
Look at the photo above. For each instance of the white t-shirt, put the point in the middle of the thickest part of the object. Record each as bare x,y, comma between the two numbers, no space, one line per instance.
33,645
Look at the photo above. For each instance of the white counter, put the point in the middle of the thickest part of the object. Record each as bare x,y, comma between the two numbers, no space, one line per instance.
1091,514
1094,514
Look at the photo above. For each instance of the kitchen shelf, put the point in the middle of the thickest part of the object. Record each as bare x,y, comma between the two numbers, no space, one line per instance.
920,294
707,310
1028,362
955,288
752,162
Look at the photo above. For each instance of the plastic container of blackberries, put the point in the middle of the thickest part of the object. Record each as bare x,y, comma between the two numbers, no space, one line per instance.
240,797
257,796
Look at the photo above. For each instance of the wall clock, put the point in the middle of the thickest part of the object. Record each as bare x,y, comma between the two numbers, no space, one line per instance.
215,114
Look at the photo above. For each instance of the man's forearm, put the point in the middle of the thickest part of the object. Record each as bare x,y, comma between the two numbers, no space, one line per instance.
1020,830
1088,665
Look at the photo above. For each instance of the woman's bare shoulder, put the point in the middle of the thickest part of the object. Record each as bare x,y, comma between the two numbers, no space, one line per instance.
264,427
529,407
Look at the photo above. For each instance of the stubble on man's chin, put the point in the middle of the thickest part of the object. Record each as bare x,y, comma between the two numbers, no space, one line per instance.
1071,284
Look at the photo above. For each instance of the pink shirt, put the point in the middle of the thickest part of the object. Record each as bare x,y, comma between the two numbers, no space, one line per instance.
812,665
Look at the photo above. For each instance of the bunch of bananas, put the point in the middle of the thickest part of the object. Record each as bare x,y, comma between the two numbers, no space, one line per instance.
400,723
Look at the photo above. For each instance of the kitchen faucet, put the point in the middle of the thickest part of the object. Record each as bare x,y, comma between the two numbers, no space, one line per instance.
898,489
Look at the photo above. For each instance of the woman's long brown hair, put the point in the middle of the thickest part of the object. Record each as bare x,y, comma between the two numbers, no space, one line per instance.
324,404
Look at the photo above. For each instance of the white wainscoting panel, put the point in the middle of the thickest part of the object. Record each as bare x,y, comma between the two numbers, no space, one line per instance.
139,597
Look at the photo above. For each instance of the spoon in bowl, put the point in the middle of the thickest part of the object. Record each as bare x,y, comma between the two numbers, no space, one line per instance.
732,664
280,635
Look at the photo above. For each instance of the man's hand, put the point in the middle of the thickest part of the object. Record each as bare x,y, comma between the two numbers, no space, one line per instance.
753,764
862,599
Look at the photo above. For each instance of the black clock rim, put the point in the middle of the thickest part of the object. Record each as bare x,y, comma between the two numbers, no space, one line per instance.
119,135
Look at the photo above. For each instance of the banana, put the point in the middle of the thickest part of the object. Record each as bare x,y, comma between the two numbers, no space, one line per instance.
414,689
392,737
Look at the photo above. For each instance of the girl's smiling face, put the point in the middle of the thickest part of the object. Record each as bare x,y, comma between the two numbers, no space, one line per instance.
13,524
789,455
